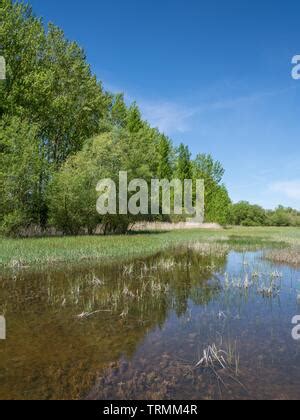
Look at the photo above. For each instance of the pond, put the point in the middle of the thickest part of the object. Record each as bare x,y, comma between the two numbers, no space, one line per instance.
180,325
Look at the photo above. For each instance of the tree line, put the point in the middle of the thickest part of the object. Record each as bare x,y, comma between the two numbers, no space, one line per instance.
61,132
246,214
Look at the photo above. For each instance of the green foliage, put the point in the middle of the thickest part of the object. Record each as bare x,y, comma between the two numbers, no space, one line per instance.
72,194
134,119
246,214
60,133
165,170
119,111
284,217
218,208
48,82
217,201
184,164
23,173
72,198
208,169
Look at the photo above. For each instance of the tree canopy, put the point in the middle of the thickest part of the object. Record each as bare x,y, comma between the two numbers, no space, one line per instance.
60,132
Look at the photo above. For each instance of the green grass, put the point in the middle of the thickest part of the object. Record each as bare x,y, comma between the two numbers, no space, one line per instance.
51,251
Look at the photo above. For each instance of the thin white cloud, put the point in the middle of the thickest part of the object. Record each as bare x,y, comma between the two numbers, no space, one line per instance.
290,189
168,117
247,99
171,117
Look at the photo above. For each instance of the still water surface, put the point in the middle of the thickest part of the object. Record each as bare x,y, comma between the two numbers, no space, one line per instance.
139,331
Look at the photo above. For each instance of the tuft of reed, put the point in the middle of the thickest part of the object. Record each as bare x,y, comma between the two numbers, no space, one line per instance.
216,358
244,283
290,256
216,249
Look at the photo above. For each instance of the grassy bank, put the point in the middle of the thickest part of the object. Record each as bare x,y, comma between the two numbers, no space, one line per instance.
46,251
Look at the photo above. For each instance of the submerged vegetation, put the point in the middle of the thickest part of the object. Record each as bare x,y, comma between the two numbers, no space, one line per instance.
265,284
183,314
215,358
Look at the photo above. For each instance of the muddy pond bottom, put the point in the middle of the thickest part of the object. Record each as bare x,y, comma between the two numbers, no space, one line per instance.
177,326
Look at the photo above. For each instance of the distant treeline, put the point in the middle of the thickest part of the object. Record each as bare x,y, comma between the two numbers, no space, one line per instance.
246,214
61,132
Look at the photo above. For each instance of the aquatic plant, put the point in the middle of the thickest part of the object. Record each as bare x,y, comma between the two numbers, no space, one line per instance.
289,256
212,358
85,315
237,282
244,283
246,263
158,287
124,314
276,274
128,293
222,315
216,357
268,292
96,281
128,269
217,249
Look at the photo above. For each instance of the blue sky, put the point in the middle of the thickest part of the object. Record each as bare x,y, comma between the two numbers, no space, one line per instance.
213,74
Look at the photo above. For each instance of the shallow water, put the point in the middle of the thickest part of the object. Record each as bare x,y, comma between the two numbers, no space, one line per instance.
138,331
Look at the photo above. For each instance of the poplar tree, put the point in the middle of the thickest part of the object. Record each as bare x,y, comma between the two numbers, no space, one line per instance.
164,170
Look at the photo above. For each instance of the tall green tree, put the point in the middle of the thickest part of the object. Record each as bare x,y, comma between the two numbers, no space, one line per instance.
165,170
49,82
134,119
59,127
72,194
217,201
119,111
184,163
24,173
218,208
246,214
207,168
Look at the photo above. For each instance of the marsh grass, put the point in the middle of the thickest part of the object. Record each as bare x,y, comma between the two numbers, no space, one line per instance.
16,254
123,303
268,292
19,254
222,361
267,284
216,249
290,256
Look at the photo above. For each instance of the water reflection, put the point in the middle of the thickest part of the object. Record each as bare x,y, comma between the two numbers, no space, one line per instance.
137,330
